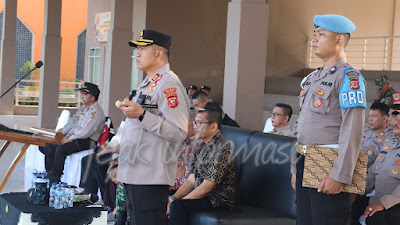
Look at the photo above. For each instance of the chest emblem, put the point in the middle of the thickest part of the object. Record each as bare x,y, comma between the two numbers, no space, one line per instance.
369,152
386,148
397,162
149,90
317,103
365,133
386,139
372,147
379,140
379,158
382,133
320,92
395,171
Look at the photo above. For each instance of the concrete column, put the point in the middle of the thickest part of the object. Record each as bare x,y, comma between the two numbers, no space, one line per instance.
50,72
116,85
245,62
8,56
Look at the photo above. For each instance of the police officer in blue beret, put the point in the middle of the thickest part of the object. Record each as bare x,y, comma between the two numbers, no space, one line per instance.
332,114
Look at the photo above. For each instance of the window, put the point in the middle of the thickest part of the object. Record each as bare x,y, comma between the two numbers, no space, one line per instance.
94,65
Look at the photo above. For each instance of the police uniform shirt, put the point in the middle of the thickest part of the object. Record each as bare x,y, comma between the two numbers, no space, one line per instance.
323,121
372,141
384,176
149,148
285,131
88,122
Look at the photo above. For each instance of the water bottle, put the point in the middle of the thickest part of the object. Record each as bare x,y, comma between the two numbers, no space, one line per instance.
34,177
65,195
52,195
58,197
71,192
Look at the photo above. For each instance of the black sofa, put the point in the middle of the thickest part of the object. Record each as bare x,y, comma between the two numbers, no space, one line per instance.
266,196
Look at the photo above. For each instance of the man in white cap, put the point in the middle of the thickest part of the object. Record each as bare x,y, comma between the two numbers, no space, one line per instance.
332,114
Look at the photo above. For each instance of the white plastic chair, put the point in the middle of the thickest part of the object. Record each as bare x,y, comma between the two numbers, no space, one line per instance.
34,160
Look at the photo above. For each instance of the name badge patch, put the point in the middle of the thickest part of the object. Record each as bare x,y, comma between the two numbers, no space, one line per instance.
352,93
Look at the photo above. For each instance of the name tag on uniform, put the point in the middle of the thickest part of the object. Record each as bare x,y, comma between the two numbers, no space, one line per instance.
352,93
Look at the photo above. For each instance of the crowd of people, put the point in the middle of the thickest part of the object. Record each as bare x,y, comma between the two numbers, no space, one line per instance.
153,186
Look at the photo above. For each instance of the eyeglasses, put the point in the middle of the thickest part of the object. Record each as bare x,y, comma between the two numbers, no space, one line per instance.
199,123
276,114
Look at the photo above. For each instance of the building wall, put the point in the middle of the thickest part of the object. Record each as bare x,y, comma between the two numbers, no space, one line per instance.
291,25
198,30
73,22
96,6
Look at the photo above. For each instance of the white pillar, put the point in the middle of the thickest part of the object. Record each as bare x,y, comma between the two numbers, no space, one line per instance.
245,62
117,72
8,56
50,72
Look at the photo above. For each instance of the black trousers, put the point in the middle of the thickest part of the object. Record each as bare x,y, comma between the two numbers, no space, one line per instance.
390,216
147,204
181,210
94,172
317,208
358,209
55,154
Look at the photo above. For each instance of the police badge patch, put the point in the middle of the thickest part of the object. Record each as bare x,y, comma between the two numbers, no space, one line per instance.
352,93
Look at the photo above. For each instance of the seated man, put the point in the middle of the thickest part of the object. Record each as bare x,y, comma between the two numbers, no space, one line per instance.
376,132
82,132
200,99
186,155
213,182
226,120
392,118
280,117
384,177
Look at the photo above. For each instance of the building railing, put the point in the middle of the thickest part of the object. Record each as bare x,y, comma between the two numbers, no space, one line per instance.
367,53
27,93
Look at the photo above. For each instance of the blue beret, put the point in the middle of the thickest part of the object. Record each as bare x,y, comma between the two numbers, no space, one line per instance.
334,23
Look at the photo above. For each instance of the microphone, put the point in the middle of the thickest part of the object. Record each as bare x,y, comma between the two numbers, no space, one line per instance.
37,66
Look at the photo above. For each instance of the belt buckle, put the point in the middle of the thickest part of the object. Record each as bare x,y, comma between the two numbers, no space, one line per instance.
301,149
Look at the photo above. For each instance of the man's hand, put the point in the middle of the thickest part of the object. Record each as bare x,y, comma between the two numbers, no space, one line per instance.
170,200
330,186
373,208
293,181
65,140
131,110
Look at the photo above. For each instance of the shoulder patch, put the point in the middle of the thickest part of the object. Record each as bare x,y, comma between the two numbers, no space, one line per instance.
172,100
352,93
169,90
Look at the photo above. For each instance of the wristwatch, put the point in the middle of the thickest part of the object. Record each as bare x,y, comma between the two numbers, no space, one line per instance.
141,116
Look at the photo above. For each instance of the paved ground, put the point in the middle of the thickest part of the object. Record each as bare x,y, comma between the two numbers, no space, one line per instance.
16,181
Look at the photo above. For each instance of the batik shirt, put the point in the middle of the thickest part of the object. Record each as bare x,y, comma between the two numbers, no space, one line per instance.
215,161
185,160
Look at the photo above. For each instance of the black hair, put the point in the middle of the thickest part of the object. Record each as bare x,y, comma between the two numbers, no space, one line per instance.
213,116
287,110
200,95
382,107
214,105
395,107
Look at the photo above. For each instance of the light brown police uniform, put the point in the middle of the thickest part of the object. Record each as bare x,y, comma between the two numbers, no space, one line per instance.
384,174
328,123
285,131
149,149
372,141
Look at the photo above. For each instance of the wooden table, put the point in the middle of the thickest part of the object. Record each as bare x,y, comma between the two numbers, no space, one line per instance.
25,139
